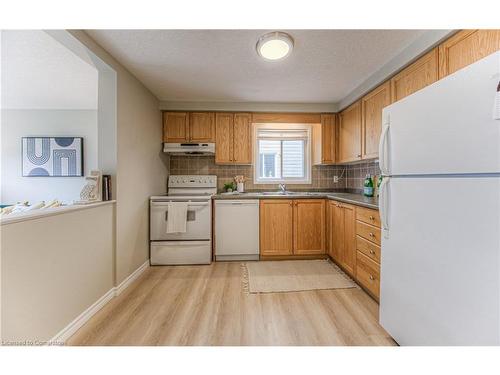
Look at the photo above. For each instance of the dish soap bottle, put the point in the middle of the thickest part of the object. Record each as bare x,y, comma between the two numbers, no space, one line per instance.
368,186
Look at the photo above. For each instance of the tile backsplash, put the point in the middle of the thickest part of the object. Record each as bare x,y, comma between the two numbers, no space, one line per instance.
322,175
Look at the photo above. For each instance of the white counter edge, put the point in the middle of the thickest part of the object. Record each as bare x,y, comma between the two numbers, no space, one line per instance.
41,213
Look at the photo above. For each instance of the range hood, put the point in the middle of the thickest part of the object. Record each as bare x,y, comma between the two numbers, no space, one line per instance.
189,148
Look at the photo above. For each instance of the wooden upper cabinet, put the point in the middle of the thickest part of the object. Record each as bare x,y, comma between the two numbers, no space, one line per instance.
224,137
233,138
466,47
309,226
201,127
324,139
276,227
349,133
242,138
175,127
416,76
371,107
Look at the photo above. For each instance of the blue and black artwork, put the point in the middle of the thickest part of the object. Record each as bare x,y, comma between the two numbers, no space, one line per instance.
52,157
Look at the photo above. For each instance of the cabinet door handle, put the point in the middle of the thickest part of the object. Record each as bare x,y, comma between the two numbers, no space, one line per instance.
291,203
371,234
372,252
372,278
359,155
372,218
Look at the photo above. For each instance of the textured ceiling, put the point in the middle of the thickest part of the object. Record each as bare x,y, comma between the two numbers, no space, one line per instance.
223,66
39,73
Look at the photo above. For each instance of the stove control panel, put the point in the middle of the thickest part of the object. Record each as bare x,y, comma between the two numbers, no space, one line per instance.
205,181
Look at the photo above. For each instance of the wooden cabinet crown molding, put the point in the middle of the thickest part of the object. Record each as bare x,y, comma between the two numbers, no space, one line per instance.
291,118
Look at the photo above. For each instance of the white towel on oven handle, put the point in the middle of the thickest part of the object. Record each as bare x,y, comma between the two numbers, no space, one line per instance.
177,217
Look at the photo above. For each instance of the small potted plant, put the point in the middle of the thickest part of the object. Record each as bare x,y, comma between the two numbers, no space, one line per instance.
229,187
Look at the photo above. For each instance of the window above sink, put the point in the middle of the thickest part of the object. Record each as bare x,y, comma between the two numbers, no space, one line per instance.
282,154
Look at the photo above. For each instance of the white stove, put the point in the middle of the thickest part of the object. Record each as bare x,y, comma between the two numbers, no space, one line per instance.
194,246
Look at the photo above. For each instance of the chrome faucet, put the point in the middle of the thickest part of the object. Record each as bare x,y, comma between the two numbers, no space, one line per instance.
282,188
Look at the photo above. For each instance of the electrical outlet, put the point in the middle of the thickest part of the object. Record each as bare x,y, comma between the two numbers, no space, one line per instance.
335,179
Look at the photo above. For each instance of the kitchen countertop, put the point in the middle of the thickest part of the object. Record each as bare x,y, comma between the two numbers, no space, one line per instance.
357,199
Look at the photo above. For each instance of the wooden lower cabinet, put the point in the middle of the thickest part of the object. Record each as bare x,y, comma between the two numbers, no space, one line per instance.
342,237
351,246
368,248
292,227
309,226
349,234
368,274
276,227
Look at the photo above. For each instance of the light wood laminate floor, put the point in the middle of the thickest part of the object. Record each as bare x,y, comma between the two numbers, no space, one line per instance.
206,305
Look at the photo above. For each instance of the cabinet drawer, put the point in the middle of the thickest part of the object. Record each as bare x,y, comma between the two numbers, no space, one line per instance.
368,232
368,274
368,248
367,215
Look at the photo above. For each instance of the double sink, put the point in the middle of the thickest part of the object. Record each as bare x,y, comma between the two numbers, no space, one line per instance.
290,193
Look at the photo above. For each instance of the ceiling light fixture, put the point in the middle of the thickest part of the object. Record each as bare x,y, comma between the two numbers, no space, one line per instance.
274,46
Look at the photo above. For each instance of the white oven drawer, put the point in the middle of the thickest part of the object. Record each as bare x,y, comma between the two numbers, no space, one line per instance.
198,226
181,252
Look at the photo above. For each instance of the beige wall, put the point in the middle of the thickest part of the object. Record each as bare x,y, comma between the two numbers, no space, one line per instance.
53,269
142,168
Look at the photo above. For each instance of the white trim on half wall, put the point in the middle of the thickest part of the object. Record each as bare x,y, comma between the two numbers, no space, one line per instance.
85,316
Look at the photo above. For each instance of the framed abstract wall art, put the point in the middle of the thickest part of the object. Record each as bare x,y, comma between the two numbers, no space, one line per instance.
52,156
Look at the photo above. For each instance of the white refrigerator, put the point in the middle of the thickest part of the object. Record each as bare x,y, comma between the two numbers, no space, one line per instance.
440,211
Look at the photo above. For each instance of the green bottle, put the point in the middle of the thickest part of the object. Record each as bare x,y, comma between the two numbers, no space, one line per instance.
368,186
379,181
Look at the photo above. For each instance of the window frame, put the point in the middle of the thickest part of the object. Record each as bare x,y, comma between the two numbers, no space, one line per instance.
307,180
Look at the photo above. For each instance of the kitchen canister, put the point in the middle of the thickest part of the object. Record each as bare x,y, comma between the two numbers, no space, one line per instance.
240,187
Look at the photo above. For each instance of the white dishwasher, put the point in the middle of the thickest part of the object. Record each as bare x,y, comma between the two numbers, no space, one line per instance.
237,229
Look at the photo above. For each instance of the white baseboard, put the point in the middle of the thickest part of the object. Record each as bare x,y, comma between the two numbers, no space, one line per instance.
72,327
84,317
131,278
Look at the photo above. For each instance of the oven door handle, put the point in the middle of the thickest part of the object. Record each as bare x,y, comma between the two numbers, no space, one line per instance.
190,204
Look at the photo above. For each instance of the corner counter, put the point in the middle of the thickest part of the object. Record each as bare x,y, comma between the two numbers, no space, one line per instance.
352,198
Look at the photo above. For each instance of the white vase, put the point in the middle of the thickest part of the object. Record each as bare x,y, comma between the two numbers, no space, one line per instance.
240,186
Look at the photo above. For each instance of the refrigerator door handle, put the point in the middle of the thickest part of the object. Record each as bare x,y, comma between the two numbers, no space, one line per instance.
382,149
383,206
